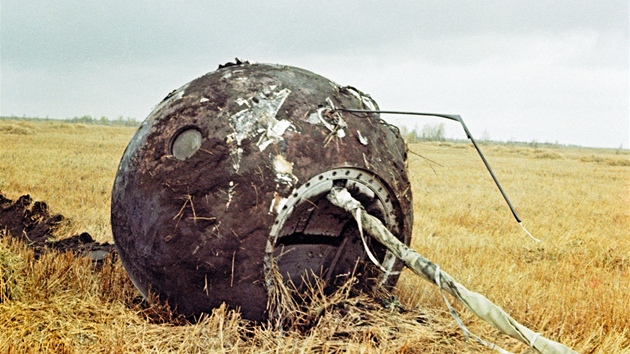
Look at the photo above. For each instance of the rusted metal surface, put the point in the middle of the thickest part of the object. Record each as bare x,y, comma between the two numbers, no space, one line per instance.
217,186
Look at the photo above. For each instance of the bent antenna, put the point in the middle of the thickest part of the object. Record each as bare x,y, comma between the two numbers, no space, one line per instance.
457,118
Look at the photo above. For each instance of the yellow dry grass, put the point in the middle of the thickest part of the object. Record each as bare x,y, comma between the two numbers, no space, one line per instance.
573,287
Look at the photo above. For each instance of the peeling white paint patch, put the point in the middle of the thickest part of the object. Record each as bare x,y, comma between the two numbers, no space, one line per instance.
363,140
236,155
230,195
242,102
273,134
260,115
284,171
284,178
277,203
180,93
313,118
258,120
281,165
269,89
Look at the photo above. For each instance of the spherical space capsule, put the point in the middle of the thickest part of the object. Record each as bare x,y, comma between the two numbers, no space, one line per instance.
225,182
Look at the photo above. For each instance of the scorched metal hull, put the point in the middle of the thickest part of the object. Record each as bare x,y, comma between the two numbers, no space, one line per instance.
216,186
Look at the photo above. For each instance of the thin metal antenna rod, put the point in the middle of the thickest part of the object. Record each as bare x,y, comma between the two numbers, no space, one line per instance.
456,118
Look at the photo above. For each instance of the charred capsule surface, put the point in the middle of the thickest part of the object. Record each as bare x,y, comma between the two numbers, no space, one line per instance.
227,177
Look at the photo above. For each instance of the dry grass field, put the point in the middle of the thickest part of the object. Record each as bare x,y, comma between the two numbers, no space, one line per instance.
573,287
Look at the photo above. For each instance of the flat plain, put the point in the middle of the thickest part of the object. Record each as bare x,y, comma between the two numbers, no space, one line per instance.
572,287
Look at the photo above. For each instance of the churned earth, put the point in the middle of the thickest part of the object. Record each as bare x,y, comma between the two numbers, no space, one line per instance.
32,222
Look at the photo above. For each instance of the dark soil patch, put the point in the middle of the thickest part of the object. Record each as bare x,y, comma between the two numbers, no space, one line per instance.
33,223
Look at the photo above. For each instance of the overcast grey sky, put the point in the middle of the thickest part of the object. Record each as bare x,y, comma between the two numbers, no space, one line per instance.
536,70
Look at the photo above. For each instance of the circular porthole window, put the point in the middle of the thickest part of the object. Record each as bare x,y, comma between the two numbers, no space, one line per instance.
186,143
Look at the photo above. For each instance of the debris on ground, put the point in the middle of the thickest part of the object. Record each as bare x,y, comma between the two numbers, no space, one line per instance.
33,223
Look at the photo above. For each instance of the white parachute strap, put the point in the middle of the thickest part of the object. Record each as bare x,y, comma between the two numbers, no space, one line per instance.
461,324
358,208
532,340
357,216
475,302
527,232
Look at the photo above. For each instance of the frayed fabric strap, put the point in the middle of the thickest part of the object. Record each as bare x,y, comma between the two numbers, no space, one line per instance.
532,340
349,203
459,321
476,303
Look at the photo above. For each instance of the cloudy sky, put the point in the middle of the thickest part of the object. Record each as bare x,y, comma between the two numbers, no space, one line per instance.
536,70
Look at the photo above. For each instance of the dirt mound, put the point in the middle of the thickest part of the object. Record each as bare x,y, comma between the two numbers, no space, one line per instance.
33,223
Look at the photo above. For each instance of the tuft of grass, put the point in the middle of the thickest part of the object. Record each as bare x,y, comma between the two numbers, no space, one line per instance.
610,161
618,161
12,269
73,307
16,129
